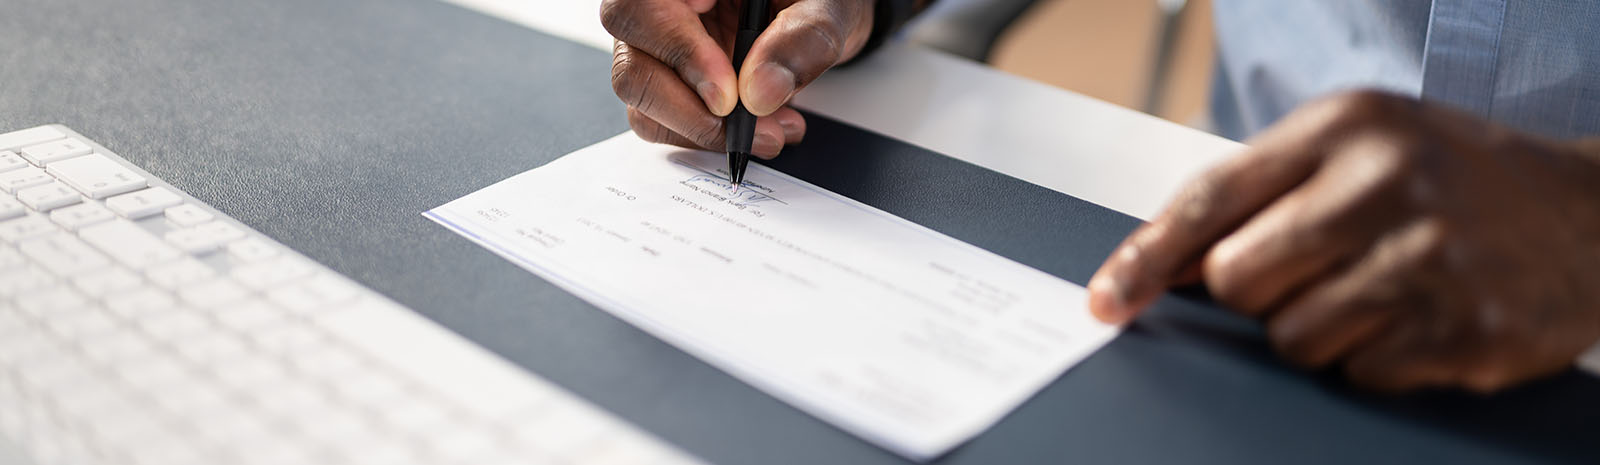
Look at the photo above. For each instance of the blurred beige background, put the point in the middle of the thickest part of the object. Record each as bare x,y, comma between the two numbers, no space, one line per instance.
1106,49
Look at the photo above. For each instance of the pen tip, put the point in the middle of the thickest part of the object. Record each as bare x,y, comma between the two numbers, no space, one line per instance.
736,165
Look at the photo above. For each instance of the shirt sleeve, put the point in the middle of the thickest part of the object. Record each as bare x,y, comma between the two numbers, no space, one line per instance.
886,20
1590,361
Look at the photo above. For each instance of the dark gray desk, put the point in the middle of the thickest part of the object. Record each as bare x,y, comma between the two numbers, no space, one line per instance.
330,125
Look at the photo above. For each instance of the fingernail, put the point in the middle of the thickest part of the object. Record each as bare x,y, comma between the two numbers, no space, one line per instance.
768,87
767,144
715,101
1108,299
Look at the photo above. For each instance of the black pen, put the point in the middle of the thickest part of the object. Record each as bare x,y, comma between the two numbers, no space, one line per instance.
740,124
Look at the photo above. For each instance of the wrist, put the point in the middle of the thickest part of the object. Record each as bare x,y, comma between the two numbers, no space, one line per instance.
1585,175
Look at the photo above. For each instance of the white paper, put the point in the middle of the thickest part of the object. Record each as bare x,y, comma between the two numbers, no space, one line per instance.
906,337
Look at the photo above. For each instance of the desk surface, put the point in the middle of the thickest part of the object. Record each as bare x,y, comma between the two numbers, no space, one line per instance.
331,125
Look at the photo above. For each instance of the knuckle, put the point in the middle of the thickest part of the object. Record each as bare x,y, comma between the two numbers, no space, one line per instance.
661,134
707,133
1292,344
631,82
1489,378
1391,377
823,39
1362,112
675,53
1226,287
1367,376
643,127
627,18
1428,242
622,71
1364,104
614,16
1201,198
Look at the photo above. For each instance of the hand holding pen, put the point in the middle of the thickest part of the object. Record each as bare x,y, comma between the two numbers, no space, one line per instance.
672,65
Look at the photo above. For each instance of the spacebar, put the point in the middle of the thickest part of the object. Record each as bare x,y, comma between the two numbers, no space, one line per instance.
128,243
485,384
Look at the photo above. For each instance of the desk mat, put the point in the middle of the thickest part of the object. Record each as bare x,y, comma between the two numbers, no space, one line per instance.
329,125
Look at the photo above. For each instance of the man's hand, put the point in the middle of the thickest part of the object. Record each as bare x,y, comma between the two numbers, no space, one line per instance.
671,65
1415,245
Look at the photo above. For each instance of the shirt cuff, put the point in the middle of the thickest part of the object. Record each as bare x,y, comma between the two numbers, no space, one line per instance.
1590,361
886,20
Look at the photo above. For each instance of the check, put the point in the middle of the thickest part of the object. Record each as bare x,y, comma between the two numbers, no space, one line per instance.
906,337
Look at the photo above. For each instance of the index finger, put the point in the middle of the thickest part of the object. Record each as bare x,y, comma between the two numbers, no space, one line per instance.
1154,256
671,31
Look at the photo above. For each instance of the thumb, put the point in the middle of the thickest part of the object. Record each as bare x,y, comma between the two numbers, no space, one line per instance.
806,38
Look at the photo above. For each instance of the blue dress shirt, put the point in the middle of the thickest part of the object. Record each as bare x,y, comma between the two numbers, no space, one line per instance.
1529,64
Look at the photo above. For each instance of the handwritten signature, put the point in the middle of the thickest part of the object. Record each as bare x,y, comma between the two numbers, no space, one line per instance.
739,196
750,193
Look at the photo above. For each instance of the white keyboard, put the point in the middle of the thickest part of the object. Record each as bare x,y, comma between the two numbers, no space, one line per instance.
140,326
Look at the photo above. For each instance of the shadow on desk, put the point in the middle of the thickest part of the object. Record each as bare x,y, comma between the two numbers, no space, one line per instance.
1556,419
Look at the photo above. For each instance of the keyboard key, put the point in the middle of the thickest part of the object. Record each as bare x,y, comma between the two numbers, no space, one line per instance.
211,348
330,424
14,283
84,399
370,388
286,339
204,238
54,299
41,154
250,373
192,241
213,293
64,254
105,282
154,373
193,399
10,208
415,417
28,227
48,196
139,204
13,180
172,326
96,176
391,452
242,431
77,216
252,249
250,316
117,347
27,137
313,297
140,303
329,364
461,372
77,326
179,273
11,259
128,243
220,231
458,446
11,161
269,274
188,215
